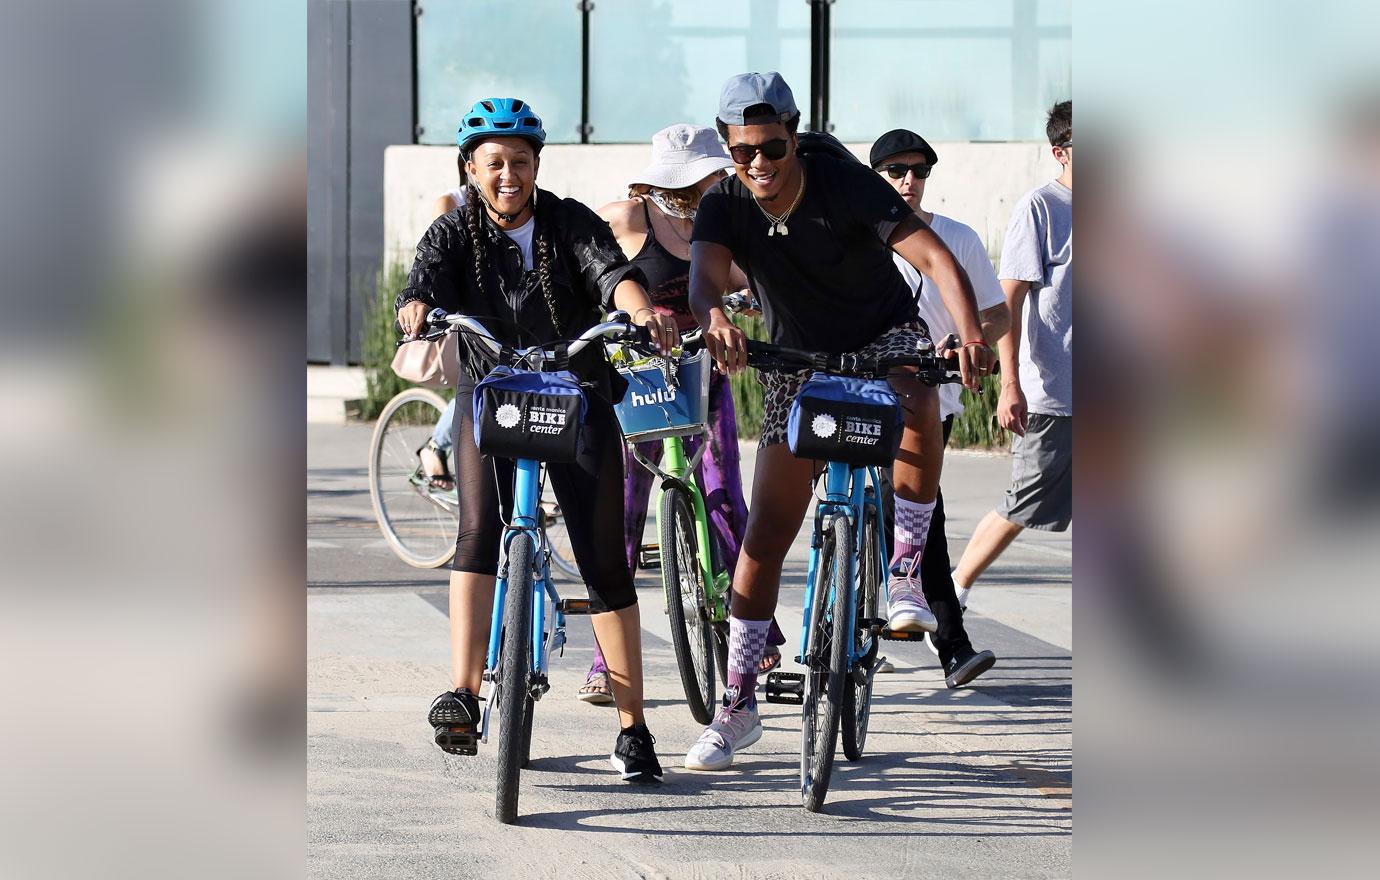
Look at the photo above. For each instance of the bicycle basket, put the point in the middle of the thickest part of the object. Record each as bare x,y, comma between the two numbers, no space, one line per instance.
835,418
525,414
665,398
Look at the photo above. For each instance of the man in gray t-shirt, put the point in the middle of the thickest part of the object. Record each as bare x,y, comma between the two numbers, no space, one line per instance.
1036,401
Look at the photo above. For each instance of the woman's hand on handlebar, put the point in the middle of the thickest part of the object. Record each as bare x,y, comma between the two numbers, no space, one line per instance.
660,328
727,344
412,318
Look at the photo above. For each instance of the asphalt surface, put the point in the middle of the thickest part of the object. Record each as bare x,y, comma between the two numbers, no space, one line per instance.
974,782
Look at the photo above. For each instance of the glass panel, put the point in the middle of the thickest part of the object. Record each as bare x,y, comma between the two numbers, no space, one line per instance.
955,70
472,49
659,62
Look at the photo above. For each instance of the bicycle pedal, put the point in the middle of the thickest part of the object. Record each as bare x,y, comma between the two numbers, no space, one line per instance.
575,606
649,556
785,687
900,635
872,624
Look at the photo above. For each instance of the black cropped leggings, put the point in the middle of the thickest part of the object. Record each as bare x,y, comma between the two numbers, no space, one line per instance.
589,490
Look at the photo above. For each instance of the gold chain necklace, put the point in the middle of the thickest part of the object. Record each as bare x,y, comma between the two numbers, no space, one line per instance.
777,225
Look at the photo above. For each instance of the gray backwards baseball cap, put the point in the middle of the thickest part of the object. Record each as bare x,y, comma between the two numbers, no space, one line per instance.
749,89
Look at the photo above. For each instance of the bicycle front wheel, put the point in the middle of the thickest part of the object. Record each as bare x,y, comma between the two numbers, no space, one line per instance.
514,701
682,579
857,698
419,522
827,657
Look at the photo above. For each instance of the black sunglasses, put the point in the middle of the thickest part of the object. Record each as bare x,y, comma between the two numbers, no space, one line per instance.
897,170
743,154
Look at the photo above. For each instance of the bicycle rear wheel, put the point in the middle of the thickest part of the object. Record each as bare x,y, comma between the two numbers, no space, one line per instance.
514,701
418,522
827,656
857,698
682,579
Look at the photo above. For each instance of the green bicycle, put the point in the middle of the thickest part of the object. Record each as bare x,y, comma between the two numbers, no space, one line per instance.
668,400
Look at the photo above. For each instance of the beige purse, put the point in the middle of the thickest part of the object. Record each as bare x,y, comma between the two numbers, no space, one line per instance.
431,364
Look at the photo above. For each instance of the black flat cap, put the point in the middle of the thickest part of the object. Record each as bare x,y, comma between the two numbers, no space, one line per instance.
900,140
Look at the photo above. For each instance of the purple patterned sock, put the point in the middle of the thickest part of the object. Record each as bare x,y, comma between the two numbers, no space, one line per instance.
912,528
746,640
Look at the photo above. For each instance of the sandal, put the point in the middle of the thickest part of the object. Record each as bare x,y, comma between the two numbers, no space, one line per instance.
596,689
441,480
771,658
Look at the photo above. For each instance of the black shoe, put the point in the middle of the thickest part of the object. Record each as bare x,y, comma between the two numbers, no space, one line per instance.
967,665
633,756
454,717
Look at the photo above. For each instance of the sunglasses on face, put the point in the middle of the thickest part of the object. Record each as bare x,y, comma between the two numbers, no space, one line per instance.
897,170
743,154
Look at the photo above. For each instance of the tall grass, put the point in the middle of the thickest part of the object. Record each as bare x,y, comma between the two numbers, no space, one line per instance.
380,342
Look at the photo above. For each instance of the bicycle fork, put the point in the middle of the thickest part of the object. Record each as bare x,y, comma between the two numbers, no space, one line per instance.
526,497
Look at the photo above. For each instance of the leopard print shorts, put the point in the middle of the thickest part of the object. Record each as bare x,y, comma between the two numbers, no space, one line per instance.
780,389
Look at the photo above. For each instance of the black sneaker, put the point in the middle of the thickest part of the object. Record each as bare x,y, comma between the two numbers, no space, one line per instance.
454,718
967,665
633,756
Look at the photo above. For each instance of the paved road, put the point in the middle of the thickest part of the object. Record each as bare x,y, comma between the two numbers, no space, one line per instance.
968,783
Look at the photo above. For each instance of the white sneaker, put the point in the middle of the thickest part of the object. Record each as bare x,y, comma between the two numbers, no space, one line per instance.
885,665
909,610
730,732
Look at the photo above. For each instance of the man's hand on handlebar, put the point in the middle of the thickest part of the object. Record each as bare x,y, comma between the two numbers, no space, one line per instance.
973,360
727,344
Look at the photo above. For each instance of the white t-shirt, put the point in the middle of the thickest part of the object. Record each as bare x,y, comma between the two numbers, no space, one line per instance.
972,256
522,235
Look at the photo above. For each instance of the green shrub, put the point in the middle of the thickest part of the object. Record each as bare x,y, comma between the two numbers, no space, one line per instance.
977,425
747,391
380,342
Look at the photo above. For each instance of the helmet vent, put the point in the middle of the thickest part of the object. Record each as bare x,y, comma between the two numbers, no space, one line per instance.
503,124
475,121
517,106
529,122
488,105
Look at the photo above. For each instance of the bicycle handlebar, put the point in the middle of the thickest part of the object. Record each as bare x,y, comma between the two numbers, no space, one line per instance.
933,368
619,324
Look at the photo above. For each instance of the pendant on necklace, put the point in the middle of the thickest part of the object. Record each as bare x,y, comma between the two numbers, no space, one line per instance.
778,228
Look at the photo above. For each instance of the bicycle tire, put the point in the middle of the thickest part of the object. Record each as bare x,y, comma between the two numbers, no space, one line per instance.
857,698
419,524
828,656
681,578
513,661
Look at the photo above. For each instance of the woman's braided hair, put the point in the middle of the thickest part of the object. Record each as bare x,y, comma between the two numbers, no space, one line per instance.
545,253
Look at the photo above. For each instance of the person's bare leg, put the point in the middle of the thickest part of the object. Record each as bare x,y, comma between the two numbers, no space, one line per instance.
991,538
620,634
471,612
781,486
921,457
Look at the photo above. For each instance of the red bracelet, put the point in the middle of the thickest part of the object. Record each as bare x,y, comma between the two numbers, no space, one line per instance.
977,342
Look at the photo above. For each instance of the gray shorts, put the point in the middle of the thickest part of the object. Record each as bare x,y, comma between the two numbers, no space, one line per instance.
1041,493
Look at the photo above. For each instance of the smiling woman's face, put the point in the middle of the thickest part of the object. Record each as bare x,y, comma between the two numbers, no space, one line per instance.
505,171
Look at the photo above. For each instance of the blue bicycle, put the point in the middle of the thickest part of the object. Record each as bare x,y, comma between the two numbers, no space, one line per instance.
846,416
529,409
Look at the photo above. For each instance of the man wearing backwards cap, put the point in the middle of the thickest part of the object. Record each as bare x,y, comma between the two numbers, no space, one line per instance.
904,160
815,235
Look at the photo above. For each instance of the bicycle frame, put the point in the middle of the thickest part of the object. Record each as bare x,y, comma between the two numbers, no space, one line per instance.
676,469
844,495
525,518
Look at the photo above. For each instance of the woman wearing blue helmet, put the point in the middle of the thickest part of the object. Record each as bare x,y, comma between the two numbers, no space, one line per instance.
541,268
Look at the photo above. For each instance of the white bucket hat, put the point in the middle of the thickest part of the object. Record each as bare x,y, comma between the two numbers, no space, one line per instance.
683,155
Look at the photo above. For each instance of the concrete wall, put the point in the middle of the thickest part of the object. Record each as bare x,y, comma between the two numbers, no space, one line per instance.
973,182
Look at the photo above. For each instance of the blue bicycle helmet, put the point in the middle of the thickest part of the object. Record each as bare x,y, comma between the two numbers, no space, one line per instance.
499,117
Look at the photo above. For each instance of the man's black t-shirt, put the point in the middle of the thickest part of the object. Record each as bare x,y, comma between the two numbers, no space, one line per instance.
830,285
